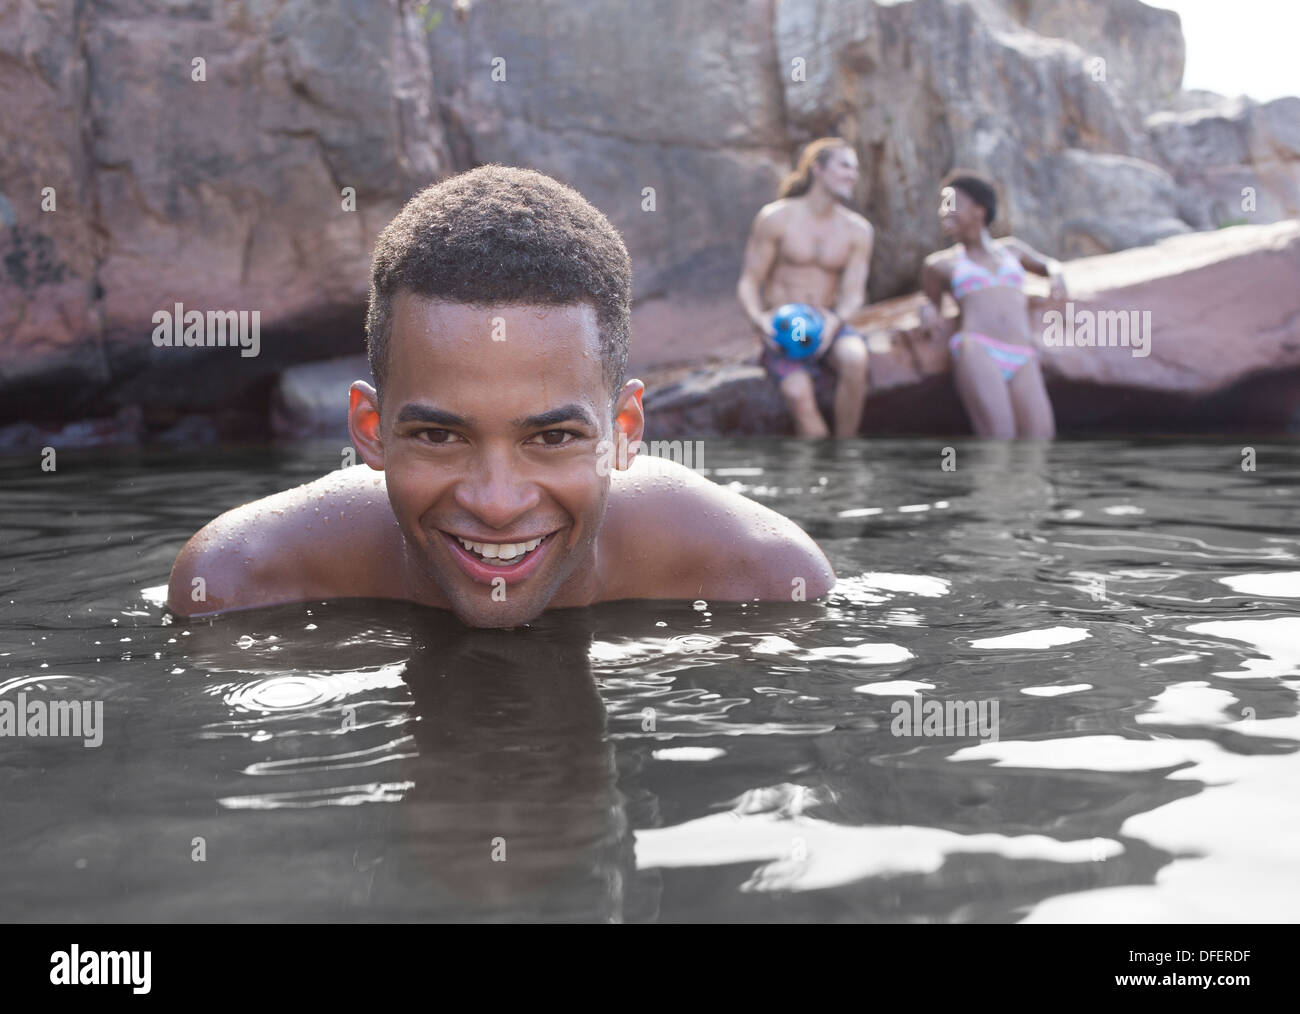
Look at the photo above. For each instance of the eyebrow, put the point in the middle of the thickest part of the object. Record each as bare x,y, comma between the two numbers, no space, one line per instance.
413,412
565,413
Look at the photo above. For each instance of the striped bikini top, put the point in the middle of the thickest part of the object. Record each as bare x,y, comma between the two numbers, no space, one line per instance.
968,277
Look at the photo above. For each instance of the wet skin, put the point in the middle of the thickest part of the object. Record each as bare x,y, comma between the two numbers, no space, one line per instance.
814,250
497,442
997,408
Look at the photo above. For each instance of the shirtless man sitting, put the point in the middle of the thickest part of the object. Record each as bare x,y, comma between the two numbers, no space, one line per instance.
807,247
497,335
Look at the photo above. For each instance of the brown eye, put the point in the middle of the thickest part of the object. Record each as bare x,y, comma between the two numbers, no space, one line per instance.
556,438
436,436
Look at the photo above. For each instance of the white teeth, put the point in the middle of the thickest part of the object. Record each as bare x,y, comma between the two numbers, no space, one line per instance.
500,551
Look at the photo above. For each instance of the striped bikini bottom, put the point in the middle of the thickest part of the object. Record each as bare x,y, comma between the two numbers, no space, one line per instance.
1008,357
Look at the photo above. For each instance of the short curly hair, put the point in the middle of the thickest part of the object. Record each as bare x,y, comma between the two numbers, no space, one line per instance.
978,188
501,235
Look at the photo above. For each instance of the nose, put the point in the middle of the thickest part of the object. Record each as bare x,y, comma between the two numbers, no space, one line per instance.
496,492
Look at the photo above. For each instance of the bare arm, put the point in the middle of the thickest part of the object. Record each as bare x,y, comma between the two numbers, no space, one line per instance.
936,278
853,282
853,279
851,291
1039,264
760,255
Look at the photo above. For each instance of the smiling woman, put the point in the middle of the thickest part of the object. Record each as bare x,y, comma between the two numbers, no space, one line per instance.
498,340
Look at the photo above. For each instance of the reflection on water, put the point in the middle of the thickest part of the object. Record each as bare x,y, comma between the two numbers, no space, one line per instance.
1129,607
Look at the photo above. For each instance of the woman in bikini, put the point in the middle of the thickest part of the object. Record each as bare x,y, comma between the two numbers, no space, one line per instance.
995,363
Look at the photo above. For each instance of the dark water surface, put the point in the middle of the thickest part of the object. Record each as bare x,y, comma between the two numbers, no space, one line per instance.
1132,609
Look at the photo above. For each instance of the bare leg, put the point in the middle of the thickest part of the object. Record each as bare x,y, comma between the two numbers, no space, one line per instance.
849,358
1029,401
983,392
797,389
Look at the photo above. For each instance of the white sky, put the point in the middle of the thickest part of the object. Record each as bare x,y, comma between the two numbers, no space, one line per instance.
1237,47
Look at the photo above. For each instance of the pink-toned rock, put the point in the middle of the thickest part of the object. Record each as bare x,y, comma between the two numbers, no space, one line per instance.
1236,161
1224,306
1141,43
667,116
221,193
48,322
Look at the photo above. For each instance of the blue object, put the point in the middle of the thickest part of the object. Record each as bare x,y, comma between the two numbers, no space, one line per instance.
798,329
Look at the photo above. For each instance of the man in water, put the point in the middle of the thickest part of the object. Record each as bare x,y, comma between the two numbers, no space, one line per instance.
808,247
499,439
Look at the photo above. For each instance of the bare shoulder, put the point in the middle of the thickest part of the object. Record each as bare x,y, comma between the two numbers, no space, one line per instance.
774,214
941,260
675,534
287,547
1020,248
858,223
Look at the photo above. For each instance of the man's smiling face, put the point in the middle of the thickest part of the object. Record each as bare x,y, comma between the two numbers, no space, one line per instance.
490,450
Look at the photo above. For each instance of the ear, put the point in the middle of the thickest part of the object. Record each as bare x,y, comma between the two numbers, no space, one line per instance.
363,424
629,423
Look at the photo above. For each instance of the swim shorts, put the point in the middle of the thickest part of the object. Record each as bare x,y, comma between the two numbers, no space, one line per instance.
779,366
